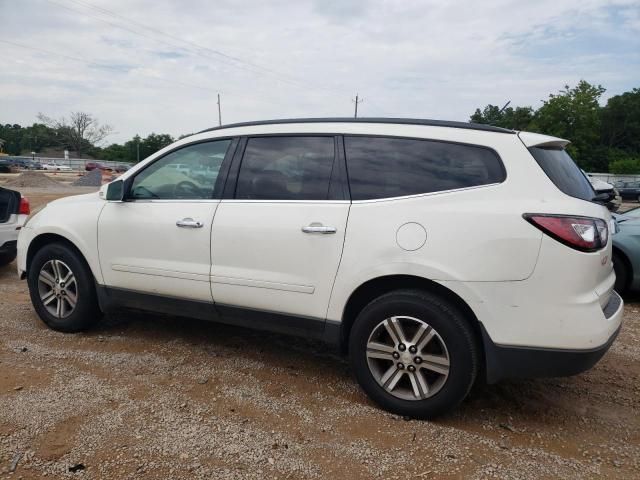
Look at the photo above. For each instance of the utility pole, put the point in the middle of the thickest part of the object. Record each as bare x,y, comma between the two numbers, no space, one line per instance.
138,151
219,112
357,101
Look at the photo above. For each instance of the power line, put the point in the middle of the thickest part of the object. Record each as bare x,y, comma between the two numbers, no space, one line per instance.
226,59
188,42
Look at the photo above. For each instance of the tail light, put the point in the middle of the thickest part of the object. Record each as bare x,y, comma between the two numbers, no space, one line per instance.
582,233
25,208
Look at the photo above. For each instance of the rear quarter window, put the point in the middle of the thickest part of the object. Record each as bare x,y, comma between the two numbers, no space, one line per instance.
563,172
383,167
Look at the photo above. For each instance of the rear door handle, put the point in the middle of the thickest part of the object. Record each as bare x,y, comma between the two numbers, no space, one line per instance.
189,223
319,228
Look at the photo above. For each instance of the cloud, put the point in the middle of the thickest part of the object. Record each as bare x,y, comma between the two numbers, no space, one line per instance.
169,54
146,66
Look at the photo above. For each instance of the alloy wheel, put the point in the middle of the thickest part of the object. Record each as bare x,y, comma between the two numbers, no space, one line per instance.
58,288
408,358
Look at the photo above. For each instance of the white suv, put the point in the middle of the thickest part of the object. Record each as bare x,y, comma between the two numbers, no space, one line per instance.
434,253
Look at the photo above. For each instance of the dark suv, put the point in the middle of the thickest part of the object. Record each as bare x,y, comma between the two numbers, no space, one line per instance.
629,190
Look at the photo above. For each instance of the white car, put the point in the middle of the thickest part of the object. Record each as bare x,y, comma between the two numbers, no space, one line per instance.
56,167
429,251
14,210
607,192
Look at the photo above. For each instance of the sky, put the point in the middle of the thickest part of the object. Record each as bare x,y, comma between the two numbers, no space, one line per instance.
147,66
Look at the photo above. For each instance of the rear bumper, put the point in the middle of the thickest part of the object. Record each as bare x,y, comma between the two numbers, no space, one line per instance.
504,361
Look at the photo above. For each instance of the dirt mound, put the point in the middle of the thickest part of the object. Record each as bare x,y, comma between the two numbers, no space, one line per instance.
89,179
33,179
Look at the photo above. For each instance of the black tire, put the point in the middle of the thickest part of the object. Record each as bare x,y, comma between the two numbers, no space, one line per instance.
454,331
86,312
7,258
621,267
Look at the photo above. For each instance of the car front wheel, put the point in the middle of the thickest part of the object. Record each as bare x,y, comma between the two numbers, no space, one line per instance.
62,289
414,353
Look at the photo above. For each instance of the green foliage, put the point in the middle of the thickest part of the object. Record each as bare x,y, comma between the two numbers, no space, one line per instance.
27,139
24,140
621,122
628,165
574,114
518,118
600,136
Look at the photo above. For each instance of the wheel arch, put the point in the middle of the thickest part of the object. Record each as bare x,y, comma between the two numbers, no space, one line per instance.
375,287
46,238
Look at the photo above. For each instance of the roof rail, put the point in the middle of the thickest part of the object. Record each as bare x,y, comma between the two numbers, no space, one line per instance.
401,121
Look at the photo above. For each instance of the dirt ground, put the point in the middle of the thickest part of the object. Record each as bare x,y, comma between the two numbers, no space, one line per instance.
145,396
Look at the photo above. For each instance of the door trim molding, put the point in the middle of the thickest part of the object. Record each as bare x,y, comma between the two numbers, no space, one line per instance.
247,282
159,272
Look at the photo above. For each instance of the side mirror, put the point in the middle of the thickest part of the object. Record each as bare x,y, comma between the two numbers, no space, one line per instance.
115,191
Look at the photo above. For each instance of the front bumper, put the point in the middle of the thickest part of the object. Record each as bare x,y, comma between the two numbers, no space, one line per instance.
503,361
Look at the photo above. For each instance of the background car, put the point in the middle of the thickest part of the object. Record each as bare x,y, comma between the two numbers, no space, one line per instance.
629,190
121,168
56,167
612,199
14,209
626,250
5,166
95,165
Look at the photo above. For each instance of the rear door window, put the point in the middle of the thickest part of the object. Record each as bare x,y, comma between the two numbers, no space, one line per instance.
563,172
383,167
286,168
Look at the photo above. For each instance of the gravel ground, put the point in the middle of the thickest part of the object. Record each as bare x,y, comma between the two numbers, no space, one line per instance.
146,396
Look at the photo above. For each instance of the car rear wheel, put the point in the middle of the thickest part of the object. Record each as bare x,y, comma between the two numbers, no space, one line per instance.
413,353
62,289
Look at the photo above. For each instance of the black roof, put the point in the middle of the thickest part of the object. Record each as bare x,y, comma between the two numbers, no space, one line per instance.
401,121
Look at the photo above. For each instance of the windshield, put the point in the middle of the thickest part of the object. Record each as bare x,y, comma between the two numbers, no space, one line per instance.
563,172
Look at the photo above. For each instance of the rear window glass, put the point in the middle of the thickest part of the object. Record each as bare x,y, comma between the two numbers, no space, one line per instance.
286,168
382,167
563,172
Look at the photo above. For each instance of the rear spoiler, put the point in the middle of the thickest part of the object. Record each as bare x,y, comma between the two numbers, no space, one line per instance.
538,140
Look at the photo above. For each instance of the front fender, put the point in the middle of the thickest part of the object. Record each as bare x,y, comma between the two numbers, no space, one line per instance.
75,221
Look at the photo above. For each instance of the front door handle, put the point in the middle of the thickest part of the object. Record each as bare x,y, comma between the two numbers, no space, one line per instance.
319,228
189,223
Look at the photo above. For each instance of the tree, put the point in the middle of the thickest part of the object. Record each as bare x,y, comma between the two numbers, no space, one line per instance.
154,142
516,119
574,114
620,119
79,132
627,165
115,152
